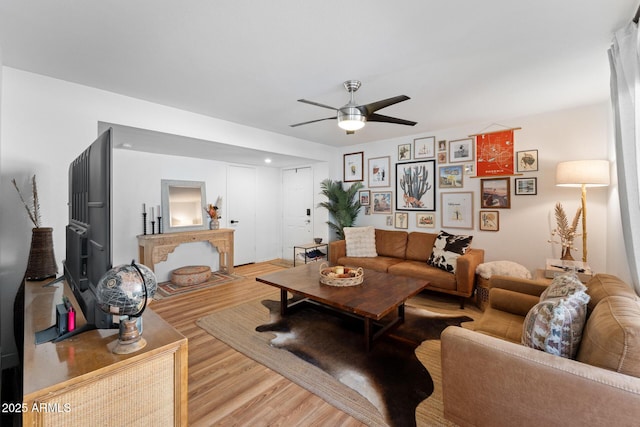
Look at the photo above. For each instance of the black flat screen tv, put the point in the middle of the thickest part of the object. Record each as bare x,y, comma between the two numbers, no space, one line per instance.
88,234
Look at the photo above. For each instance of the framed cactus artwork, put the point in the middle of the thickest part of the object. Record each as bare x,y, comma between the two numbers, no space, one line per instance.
416,186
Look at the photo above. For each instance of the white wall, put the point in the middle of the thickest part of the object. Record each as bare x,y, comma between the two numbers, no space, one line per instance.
580,133
131,188
48,122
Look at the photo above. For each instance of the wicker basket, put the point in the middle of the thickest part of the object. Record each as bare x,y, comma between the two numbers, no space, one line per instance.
42,261
328,276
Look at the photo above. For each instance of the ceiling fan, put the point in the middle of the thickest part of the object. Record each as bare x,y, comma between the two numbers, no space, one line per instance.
352,117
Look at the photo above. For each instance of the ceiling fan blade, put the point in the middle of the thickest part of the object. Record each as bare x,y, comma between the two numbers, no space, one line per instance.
378,105
386,119
313,121
317,104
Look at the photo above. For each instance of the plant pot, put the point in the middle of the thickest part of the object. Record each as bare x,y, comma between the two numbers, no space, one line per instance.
42,261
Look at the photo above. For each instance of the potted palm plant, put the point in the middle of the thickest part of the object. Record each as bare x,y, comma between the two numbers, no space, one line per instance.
342,204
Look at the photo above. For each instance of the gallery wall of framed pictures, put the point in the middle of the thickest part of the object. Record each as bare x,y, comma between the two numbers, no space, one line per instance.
430,182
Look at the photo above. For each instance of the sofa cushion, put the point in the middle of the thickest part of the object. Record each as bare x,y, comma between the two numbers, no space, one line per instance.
391,243
420,246
446,250
604,285
379,263
361,241
555,325
437,278
611,337
512,301
500,324
502,268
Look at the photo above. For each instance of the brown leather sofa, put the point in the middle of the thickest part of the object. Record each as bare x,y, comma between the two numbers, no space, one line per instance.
406,254
490,379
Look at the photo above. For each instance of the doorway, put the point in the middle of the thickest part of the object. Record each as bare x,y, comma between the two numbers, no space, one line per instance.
241,212
297,185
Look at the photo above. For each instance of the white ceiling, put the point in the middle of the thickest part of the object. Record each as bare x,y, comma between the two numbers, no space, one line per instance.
462,61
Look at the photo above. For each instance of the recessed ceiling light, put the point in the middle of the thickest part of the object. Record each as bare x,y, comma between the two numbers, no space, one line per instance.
267,160
126,145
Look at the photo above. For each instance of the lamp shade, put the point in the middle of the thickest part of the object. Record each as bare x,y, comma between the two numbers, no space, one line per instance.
590,173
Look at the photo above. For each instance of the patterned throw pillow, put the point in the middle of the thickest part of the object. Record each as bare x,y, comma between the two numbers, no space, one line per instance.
361,241
446,250
563,285
555,324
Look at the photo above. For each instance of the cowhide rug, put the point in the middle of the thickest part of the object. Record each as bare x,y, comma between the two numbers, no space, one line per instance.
389,376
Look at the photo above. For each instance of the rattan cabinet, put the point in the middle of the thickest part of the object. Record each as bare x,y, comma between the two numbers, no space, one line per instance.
79,381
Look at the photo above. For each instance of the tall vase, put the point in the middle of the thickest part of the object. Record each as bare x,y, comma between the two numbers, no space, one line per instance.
42,261
566,254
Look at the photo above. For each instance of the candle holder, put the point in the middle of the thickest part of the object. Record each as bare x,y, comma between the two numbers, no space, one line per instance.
159,225
153,227
144,223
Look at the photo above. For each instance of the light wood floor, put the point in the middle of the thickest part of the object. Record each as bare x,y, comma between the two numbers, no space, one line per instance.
228,388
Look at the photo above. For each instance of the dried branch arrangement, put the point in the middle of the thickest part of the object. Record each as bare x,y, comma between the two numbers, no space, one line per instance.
32,205
565,232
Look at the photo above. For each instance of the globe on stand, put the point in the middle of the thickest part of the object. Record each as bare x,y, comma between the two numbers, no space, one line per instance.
124,291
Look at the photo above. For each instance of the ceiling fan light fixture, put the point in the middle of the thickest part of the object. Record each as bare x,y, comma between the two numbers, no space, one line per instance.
351,119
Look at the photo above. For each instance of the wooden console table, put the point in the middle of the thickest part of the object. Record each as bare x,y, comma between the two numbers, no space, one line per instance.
79,381
155,248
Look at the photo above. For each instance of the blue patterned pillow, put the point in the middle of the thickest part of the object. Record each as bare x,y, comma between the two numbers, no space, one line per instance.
446,250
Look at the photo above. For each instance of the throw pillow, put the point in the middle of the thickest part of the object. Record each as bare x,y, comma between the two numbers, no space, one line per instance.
502,268
564,285
360,241
555,324
446,250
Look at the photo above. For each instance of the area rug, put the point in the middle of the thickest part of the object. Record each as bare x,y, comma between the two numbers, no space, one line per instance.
324,353
168,289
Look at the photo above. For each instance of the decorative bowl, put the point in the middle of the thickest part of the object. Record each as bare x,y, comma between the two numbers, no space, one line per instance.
318,240
341,276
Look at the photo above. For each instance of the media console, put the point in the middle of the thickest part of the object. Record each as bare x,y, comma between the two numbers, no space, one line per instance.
79,381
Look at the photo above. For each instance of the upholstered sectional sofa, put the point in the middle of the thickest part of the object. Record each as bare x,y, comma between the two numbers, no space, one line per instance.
406,254
490,378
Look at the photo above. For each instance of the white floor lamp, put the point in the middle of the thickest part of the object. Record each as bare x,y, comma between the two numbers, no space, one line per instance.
583,173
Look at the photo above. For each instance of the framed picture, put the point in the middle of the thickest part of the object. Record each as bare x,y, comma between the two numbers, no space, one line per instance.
457,210
416,186
470,169
526,186
489,220
461,150
495,193
353,164
424,148
401,220
389,220
450,176
367,210
442,157
364,196
379,171
404,152
527,161
442,145
426,220
381,202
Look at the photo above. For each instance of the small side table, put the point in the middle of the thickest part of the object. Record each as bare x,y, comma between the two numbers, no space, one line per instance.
307,250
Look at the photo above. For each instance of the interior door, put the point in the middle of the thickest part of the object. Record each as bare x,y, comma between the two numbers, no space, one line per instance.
297,187
241,212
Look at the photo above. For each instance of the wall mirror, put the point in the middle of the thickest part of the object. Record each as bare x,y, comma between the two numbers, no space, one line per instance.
183,205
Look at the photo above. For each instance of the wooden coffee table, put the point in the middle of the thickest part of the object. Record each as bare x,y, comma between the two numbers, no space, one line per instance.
379,295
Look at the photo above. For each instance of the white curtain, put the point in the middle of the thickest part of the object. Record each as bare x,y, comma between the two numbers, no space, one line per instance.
625,94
